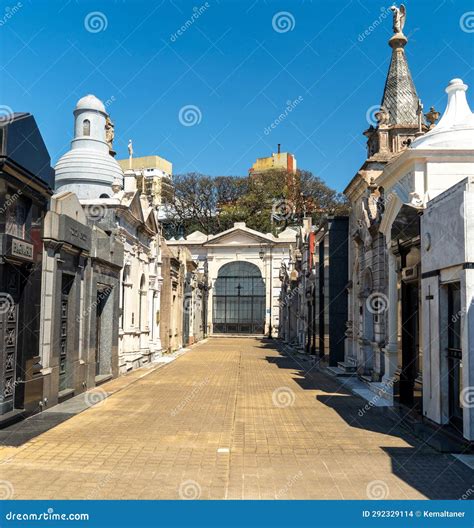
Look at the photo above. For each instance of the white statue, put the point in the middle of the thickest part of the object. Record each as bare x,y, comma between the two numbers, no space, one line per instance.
399,16
130,153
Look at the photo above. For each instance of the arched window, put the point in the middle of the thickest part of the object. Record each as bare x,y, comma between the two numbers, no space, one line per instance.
104,196
86,127
239,299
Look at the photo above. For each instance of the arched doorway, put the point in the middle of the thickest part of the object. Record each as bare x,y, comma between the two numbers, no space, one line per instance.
239,300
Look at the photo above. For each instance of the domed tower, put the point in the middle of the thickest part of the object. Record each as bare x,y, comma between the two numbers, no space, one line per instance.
88,169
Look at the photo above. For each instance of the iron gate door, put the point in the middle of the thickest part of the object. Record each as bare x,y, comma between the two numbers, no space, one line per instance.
239,300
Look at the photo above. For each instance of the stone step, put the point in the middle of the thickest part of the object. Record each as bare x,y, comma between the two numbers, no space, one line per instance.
339,372
348,367
374,399
382,389
366,379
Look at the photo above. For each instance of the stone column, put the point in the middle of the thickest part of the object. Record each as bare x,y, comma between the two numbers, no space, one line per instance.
467,393
391,348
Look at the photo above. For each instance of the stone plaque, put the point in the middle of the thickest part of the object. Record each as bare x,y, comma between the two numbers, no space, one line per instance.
74,233
21,249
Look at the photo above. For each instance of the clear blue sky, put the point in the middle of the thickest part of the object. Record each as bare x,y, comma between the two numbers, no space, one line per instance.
233,66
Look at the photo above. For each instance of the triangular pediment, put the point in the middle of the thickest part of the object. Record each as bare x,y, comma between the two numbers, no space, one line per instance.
239,237
151,222
136,208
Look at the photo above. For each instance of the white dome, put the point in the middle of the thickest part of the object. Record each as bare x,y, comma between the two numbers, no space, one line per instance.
90,102
88,169
455,129
87,173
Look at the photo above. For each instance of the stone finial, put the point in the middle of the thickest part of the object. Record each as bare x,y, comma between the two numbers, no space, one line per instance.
116,186
382,116
432,116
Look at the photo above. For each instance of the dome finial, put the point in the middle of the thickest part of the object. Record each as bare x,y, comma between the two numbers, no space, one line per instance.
455,129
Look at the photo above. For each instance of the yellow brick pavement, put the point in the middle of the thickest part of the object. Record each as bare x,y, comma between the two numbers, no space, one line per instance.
231,419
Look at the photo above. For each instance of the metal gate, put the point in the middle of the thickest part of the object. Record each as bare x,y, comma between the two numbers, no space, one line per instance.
239,300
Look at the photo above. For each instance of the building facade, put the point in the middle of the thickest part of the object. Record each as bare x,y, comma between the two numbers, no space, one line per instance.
428,273
242,278
277,161
399,121
113,204
79,301
313,302
26,185
154,176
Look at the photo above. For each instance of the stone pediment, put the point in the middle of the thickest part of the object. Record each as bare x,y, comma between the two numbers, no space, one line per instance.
240,237
134,204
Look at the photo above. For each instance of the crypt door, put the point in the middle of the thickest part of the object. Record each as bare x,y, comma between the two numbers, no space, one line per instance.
239,300
410,393
455,355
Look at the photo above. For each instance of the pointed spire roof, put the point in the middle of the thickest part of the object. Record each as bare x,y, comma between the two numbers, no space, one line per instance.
400,100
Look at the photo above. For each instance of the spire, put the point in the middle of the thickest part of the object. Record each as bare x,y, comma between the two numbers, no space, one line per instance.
400,100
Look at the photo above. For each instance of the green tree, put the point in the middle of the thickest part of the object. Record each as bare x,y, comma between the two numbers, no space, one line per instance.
268,201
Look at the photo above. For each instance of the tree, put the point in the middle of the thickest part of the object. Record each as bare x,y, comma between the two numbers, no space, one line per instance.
197,199
267,201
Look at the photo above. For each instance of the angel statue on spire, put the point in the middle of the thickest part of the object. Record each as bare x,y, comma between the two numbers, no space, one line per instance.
399,17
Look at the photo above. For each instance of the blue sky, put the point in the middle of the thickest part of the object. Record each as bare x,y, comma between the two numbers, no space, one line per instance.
236,65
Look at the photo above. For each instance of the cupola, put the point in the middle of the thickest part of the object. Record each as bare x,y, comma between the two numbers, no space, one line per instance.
88,169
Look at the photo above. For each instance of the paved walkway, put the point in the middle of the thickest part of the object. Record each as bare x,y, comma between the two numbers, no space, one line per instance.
230,419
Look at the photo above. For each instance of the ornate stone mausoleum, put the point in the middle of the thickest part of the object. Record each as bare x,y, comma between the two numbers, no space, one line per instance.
112,202
243,268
